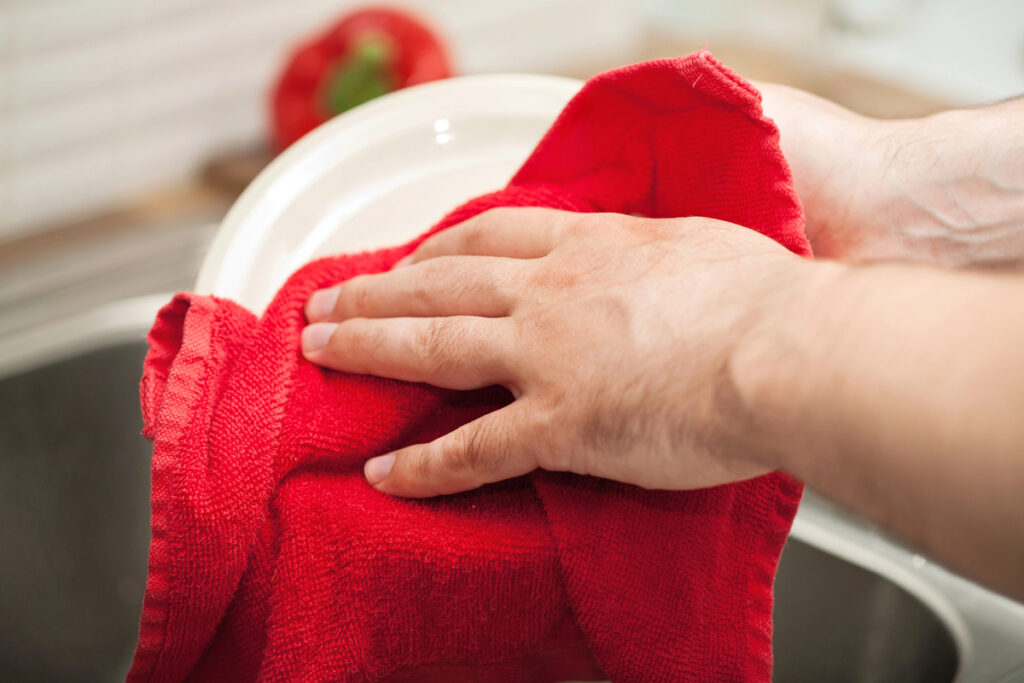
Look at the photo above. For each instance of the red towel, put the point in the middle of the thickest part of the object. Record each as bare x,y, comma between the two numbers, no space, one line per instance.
273,559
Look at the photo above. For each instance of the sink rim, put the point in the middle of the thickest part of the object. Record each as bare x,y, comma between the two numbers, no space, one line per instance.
987,628
66,336
817,534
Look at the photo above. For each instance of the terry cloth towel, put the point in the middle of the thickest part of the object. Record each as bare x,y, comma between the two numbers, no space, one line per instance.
272,559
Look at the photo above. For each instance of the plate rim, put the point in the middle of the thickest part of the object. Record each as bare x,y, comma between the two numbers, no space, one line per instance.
249,220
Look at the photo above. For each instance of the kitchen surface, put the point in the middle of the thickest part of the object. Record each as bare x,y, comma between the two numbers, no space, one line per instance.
129,129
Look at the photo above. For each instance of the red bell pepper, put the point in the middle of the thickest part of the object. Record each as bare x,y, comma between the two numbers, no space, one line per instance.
366,54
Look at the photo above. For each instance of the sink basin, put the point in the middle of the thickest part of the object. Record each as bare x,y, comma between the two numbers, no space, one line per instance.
835,621
74,500
74,490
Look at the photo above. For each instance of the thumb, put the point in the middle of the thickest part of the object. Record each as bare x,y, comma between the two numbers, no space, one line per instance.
488,449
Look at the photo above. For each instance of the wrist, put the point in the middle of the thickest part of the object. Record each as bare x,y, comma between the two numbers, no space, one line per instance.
832,152
768,367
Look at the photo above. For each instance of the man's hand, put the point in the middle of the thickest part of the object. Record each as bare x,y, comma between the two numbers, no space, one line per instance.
689,352
946,189
615,335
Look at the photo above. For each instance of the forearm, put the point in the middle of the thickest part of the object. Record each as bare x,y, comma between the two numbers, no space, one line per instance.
954,185
946,189
899,392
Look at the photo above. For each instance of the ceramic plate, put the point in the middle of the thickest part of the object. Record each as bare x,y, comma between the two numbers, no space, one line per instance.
378,176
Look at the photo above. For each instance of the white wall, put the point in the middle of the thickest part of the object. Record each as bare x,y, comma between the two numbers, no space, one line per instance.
961,51
103,100
967,51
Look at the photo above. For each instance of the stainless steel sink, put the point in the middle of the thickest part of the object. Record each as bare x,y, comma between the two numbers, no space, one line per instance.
835,621
74,488
74,500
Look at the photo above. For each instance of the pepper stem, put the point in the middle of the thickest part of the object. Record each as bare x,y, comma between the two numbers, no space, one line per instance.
367,73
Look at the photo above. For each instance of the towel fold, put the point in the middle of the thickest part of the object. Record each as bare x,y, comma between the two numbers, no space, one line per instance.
273,559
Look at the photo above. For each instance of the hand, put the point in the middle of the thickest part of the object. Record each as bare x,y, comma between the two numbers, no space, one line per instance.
947,189
613,333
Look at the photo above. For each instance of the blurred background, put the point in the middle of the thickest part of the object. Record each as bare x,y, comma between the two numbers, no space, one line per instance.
133,105
127,129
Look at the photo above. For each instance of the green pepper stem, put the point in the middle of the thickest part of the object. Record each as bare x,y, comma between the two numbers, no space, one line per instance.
368,72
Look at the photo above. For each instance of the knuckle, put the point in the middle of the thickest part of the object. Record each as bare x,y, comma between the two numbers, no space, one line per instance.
365,339
420,294
423,287
423,465
496,213
471,450
438,272
431,342
455,276
456,454
426,248
580,225
536,331
356,299
472,228
473,237
472,232
555,277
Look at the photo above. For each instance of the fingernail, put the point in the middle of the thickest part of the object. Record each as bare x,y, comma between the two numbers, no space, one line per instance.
402,262
377,469
322,303
317,335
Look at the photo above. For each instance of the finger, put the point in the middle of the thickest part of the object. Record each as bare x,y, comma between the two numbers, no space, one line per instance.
452,285
457,352
521,232
488,449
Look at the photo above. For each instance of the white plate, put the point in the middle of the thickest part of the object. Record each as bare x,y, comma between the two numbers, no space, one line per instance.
378,176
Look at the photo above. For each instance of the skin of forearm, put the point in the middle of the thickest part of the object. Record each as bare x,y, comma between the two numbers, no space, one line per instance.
946,189
955,187
899,392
